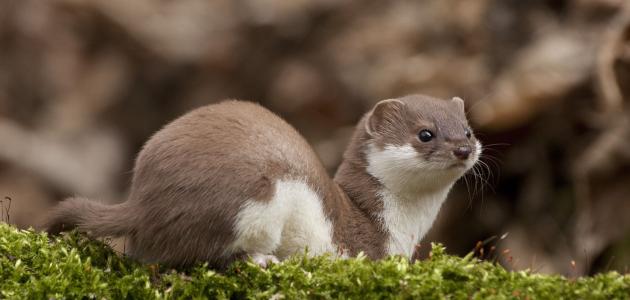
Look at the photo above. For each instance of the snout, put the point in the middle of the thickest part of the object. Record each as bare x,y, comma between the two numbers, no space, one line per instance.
462,152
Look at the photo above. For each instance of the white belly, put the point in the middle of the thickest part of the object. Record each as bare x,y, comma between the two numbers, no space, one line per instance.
292,221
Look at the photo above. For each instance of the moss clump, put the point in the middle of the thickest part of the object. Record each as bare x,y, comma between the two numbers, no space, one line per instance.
71,266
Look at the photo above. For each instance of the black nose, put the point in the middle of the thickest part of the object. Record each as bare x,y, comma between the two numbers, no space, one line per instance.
462,152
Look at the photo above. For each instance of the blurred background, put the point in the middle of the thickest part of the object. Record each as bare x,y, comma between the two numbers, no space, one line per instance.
84,83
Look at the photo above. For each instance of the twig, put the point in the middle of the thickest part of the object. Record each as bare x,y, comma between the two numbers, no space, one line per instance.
7,210
610,261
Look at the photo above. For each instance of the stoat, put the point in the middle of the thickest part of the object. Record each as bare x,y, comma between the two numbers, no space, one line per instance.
232,180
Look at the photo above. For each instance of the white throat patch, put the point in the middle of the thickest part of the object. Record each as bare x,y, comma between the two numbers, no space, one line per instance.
408,208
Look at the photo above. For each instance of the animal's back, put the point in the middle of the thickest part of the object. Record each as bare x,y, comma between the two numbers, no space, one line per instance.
195,175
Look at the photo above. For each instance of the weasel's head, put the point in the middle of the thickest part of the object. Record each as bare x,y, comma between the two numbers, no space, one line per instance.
419,142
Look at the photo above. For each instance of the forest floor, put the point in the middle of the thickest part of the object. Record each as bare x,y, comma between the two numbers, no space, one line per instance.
34,266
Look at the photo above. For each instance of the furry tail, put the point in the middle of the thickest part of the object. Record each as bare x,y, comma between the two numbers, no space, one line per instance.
92,217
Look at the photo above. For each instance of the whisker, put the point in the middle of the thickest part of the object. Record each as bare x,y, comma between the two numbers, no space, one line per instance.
491,179
468,191
489,176
483,181
476,175
475,172
498,144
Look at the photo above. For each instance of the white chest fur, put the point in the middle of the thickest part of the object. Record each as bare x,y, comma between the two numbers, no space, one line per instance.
409,208
408,220
290,222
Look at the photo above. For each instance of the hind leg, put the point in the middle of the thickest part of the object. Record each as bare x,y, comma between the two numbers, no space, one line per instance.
258,229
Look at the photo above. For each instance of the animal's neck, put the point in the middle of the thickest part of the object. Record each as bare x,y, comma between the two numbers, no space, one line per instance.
401,217
407,217
411,195
360,187
358,223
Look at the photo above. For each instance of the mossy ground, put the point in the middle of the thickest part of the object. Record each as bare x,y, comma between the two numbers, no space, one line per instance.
71,266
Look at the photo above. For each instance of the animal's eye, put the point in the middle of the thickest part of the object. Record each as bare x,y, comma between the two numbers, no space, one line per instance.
425,135
467,132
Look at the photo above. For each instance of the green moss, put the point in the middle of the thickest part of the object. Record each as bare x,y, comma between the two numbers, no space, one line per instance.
71,266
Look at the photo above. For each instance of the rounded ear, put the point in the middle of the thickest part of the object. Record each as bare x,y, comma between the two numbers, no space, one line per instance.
459,102
384,112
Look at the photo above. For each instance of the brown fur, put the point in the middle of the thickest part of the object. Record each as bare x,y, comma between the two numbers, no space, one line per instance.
359,218
193,176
